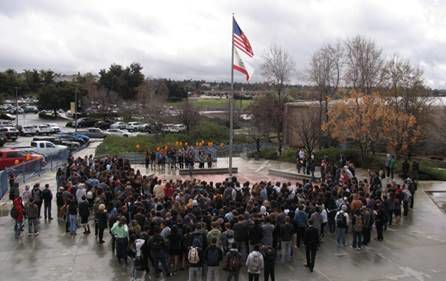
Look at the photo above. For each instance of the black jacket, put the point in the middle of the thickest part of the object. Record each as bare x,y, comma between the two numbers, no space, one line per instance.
47,195
311,237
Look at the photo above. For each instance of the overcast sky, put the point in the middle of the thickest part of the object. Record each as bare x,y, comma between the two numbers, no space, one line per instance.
192,39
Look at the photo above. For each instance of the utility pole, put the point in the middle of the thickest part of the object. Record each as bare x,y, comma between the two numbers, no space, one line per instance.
17,107
75,109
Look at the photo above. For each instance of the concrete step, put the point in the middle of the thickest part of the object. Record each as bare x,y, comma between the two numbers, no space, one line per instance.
211,171
290,174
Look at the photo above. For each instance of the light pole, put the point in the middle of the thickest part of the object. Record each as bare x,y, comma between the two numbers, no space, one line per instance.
75,110
17,107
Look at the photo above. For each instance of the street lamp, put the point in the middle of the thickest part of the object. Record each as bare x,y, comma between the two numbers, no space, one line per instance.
75,110
17,107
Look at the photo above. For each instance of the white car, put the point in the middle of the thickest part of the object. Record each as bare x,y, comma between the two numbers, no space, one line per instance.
118,125
173,128
54,128
44,130
119,132
5,123
137,126
46,148
132,126
29,130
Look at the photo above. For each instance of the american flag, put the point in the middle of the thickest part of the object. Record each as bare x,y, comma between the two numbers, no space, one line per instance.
241,42
240,60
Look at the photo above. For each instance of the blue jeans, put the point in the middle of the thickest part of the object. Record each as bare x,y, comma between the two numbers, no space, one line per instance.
195,273
212,274
357,238
286,251
72,223
340,236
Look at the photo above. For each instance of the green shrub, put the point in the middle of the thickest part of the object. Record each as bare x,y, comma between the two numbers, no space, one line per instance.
430,172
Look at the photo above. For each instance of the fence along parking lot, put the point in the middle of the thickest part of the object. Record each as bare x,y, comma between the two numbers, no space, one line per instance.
30,169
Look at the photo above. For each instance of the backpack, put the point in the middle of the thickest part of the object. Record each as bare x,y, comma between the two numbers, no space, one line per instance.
213,256
197,240
238,196
255,264
358,223
234,262
193,257
341,221
157,243
14,213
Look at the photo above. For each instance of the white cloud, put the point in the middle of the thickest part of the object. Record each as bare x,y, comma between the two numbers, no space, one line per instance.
191,39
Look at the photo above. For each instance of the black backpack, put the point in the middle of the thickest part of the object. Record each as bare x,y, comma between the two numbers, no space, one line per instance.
213,256
341,221
13,212
157,243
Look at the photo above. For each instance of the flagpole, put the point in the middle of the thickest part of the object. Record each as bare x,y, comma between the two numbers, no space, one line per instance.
231,97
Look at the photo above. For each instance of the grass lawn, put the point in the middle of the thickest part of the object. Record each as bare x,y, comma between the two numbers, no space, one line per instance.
214,104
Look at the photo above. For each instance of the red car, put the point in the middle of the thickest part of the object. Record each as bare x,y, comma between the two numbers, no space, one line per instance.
10,157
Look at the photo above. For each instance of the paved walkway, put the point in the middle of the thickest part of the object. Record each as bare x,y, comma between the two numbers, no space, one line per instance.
415,250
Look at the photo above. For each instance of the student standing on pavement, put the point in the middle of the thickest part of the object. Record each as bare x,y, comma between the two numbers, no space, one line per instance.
195,260
213,256
254,264
72,217
36,194
233,263
311,242
84,213
269,258
341,220
47,197
32,213
121,232
101,218
19,215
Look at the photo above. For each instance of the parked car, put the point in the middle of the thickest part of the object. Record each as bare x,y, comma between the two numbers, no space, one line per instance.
103,125
28,130
30,109
173,128
132,126
95,133
69,138
10,157
2,139
11,133
121,133
54,128
44,130
118,125
5,123
82,123
46,148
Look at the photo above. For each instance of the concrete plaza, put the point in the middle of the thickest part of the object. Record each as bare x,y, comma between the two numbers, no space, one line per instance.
415,250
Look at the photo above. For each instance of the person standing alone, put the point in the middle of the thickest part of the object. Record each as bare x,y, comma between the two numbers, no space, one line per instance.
311,242
47,197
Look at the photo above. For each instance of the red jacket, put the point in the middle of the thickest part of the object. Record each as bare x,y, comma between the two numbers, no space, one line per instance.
19,208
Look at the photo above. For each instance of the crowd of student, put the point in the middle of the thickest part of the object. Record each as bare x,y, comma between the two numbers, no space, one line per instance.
168,226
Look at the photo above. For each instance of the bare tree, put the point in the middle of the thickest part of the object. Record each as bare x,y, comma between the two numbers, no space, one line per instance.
188,115
307,130
325,72
364,62
277,68
405,92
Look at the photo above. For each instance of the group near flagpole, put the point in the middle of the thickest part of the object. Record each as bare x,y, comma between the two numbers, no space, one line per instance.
231,97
